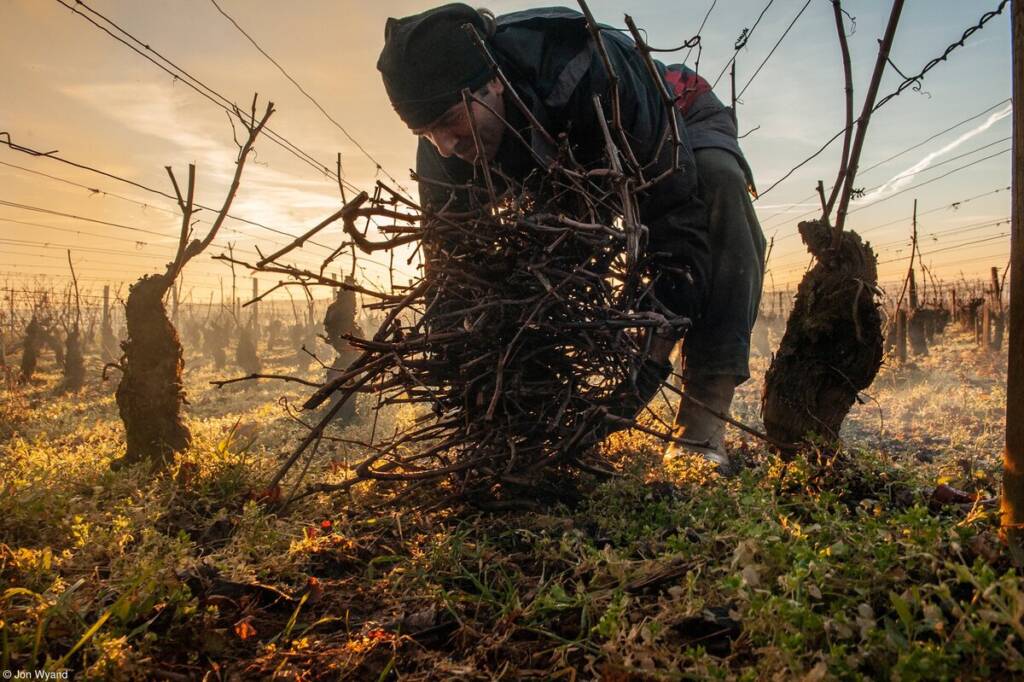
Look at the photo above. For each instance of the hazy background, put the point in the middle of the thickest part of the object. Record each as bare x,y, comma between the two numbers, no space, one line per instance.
68,86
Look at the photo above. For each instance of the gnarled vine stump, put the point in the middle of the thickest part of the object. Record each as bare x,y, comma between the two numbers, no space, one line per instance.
30,349
832,348
74,362
150,395
246,355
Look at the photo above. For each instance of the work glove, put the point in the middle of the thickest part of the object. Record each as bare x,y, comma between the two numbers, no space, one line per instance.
679,292
628,399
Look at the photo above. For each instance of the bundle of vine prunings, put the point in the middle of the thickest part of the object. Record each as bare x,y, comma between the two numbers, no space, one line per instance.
521,343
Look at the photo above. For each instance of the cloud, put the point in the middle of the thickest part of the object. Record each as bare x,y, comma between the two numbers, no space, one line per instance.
786,208
147,108
901,180
267,195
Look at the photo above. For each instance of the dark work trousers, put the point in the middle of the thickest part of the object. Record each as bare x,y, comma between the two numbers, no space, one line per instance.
719,342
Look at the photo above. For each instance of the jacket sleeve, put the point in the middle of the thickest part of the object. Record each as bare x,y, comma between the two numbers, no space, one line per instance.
671,209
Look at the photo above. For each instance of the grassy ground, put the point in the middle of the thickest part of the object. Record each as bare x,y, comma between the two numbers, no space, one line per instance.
788,571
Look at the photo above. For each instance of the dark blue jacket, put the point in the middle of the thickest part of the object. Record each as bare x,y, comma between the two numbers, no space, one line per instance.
549,56
709,122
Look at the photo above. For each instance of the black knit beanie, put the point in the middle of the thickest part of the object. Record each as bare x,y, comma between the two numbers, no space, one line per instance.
428,59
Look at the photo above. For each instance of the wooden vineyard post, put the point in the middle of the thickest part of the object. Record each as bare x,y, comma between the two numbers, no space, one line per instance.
1012,508
174,306
998,324
106,305
10,324
901,336
953,316
914,320
255,308
985,336
998,331
108,341
235,305
10,308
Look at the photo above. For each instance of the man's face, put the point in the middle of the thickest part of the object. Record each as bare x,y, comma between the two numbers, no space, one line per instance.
452,133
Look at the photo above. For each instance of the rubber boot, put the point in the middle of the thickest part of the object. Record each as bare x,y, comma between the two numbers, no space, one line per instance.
695,423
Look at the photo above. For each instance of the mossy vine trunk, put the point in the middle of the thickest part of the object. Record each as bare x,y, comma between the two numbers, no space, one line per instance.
832,348
151,394
246,355
30,349
74,362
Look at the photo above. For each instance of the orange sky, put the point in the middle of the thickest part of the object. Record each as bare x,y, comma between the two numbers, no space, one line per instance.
72,88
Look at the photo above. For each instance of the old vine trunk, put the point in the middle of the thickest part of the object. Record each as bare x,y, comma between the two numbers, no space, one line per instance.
150,394
832,347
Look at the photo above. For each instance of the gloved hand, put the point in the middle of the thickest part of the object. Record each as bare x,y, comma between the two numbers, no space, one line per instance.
678,290
629,398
